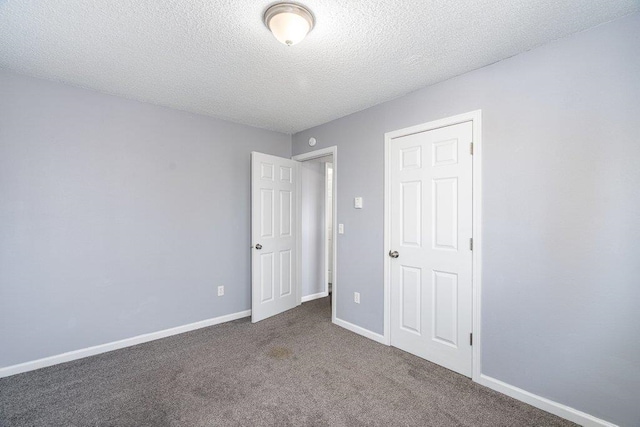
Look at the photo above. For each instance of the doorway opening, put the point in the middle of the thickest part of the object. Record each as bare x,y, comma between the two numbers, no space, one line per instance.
277,270
316,222
317,236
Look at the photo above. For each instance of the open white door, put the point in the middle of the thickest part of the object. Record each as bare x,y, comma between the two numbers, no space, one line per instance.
273,234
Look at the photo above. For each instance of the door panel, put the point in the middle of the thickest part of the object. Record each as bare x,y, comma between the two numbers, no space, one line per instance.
411,216
273,234
266,212
411,302
445,307
286,212
285,273
266,277
445,213
431,224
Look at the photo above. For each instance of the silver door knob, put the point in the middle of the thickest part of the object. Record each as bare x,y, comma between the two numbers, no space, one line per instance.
394,254
258,246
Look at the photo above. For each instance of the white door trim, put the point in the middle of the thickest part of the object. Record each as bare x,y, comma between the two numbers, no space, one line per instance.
326,203
333,151
476,118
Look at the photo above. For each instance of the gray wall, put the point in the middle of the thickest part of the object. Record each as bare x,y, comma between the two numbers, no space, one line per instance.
313,227
117,218
561,169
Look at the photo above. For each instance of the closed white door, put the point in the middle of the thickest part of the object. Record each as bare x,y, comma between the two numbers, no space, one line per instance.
431,258
273,234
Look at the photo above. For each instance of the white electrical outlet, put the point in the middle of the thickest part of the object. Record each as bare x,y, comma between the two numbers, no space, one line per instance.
340,228
356,297
220,291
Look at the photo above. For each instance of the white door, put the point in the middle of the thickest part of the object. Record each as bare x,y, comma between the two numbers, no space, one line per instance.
431,227
273,235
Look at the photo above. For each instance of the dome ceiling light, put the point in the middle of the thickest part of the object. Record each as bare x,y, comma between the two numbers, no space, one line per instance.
290,23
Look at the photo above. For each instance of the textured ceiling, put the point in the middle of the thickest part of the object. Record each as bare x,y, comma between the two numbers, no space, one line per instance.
215,57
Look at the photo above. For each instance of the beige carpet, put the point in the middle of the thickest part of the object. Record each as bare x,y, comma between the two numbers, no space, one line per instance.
296,369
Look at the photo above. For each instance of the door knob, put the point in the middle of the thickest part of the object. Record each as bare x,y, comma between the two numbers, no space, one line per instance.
258,246
394,254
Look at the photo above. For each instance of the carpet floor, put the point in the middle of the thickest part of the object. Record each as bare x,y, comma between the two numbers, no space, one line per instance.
295,369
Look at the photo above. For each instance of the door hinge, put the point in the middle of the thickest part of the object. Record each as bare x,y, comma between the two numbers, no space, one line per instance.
471,244
471,148
471,339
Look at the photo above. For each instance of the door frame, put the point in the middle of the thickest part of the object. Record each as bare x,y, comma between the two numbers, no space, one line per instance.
326,202
476,118
311,155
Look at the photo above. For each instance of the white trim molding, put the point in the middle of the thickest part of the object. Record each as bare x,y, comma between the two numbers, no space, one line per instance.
477,242
311,297
360,330
545,404
116,345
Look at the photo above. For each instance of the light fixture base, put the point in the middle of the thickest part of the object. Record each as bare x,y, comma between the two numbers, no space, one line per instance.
302,15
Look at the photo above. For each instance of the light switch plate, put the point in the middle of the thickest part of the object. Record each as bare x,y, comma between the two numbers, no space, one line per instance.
357,203
340,228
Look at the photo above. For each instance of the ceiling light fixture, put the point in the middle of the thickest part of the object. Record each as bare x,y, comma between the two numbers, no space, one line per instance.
290,23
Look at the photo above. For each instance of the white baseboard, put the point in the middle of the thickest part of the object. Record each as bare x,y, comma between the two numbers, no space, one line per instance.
539,402
127,342
314,296
360,330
